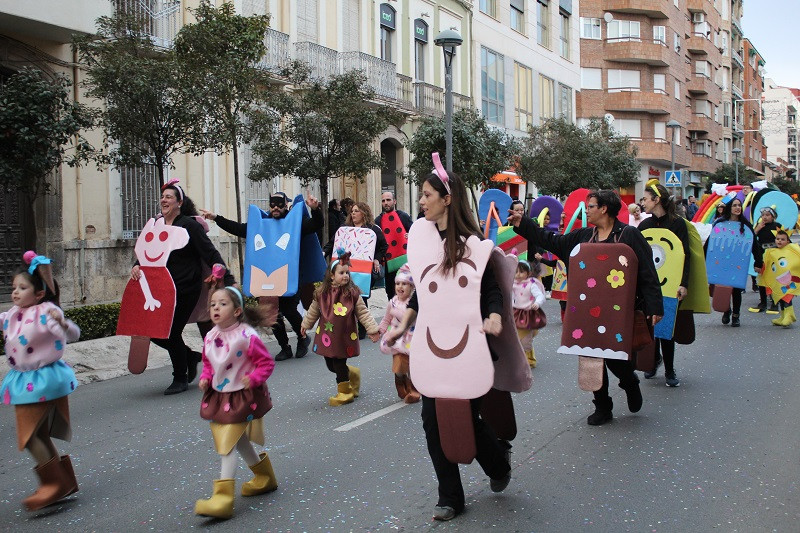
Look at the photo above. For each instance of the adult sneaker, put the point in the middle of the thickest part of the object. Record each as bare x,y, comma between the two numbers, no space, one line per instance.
652,373
726,317
672,379
773,309
758,309
443,513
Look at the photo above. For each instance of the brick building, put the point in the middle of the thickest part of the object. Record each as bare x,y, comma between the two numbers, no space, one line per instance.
754,152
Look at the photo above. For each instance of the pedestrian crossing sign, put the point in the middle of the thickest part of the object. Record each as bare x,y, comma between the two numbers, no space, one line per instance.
673,178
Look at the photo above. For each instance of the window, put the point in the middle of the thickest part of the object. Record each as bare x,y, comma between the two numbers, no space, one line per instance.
660,83
543,23
523,97
420,48
591,78
565,101
546,97
489,7
623,80
564,40
140,193
702,68
630,127
716,114
307,18
590,28
726,117
723,39
388,17
660,130
677,42
703,108
518,15
623,30
677,90
660,35
492,87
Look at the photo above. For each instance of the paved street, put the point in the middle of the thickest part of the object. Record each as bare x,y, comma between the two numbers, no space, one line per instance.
719,453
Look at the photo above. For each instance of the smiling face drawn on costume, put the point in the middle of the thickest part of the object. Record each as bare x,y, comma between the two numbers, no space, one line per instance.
668,257
157,240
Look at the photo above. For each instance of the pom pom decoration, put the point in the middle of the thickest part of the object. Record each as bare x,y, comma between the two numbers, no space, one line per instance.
28,256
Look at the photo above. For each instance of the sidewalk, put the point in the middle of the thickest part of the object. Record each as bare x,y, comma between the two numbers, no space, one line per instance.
107,358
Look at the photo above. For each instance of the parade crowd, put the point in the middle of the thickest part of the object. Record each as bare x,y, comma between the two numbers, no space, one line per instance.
629,279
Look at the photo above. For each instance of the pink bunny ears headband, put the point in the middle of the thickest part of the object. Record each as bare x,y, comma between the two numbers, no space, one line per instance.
174,183
439,170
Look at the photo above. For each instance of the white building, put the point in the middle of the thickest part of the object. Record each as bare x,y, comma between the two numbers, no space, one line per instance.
780,108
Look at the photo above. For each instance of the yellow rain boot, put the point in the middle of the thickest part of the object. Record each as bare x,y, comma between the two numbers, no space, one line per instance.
779,321
355,379
264,479
788,317
220,505
344,396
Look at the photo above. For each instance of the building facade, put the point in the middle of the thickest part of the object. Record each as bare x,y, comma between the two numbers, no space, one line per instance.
644,65
780,109
753,149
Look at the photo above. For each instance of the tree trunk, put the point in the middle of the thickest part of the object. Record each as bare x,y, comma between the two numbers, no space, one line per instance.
323,193
238,199
474,199
161,181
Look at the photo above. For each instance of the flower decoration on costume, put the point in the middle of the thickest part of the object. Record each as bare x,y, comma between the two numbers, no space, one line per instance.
616,278
339,309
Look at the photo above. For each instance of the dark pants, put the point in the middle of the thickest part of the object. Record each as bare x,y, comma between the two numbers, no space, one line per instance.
736,300
287,306
338,367
491,454
783,304
666,349
623,370
762,295
390,284
179,353
547,281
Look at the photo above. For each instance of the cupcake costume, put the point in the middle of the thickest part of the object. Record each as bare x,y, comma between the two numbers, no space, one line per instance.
394,314
229,355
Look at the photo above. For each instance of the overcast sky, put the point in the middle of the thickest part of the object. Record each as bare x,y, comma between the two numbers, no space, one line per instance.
773,26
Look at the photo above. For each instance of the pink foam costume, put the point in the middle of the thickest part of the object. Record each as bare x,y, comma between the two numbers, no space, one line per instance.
395,310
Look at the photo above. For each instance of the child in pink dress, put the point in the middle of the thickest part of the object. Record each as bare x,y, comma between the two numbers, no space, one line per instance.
395,309
236,365
528,296
39,381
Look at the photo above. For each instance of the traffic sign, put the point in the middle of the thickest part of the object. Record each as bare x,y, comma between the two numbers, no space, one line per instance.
673,178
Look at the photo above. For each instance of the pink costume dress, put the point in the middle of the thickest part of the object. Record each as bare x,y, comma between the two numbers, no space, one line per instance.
38,380
228,356
394,315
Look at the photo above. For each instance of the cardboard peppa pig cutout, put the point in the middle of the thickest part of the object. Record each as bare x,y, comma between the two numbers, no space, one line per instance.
148,304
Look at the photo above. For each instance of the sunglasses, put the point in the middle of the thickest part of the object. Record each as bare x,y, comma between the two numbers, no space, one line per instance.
279,203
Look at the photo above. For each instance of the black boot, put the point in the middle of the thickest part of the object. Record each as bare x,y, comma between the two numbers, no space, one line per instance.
302,347
634,395
193,359
735,321
726,317
284,354
176,387
602,412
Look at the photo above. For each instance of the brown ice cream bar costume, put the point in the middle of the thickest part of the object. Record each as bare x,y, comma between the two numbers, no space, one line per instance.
338,312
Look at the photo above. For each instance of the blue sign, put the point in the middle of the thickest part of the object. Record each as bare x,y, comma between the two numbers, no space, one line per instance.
673,178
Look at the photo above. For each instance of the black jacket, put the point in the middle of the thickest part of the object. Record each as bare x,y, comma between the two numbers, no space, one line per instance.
648,289
310,225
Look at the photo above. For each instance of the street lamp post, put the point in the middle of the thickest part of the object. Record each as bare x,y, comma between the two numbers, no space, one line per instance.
674,125
736,152
448,40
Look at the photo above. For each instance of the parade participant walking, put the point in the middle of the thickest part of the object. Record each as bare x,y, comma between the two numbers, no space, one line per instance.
338,307
785,304
661,207
444,202
395,310
733,213
287,305
183,264
765,238
236,365
395,225
528,298
37,385
602,208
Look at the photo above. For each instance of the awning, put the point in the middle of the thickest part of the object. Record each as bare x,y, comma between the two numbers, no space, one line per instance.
508,176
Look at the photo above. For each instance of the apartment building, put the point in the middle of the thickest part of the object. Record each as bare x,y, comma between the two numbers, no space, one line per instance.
90,223
644,64
753,149
780,109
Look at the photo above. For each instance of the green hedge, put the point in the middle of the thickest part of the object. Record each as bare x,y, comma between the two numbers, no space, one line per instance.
95,321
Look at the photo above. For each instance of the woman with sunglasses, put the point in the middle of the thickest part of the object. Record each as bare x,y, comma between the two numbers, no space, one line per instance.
602,208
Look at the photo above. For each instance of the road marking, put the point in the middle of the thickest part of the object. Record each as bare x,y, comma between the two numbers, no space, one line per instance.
369,418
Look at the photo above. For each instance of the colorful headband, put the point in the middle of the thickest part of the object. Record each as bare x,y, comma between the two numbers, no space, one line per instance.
439,170
404,275
651,184
174,183
233,290
525,264
44,265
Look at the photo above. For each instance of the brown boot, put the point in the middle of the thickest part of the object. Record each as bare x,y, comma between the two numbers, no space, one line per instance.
57,481
400,385
66,464
413,395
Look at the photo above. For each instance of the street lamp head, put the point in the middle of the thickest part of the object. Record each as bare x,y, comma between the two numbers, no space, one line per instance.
673,124
736,151
448,40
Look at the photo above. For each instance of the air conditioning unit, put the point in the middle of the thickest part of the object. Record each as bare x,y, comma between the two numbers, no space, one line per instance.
698,17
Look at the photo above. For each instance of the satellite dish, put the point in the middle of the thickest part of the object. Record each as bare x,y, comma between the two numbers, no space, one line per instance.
609,118
608,17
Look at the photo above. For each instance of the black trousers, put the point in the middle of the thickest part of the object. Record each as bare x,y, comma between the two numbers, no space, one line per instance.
491,454
390,284
178,351
287,306
623,370
736,300
338,367
666,348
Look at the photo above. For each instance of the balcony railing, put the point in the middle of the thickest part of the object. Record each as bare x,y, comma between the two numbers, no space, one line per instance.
736,90
737,57
161,18
277,55
323,61
405,91
461,102
429,98
381,75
